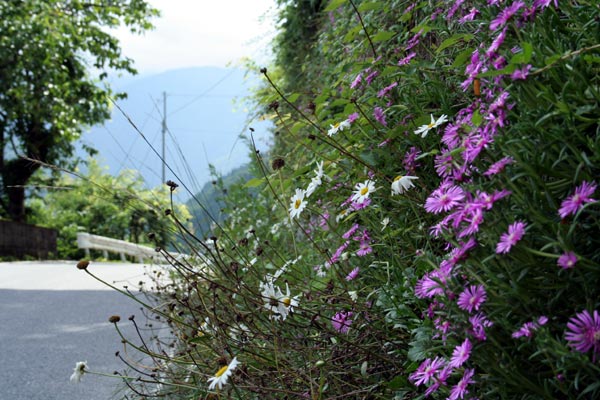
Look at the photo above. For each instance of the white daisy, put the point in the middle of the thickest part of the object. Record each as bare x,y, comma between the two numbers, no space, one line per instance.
298,204
385,223
402,183
340,126
363,190
286,303
222,375
80,369
342,214
423,130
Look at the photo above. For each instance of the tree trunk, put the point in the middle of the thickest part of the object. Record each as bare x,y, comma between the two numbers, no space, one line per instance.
15,175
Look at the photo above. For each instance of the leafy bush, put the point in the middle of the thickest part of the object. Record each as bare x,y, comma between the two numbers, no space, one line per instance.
98,203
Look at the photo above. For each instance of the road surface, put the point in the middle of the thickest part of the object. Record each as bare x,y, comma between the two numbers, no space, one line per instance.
52,316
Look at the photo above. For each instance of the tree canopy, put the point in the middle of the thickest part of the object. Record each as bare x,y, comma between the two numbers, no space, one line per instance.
48,92
114,206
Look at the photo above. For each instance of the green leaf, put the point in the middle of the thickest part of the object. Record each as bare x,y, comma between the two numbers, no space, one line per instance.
509,69
369,6
382,36
254,182
334,5
452,40
524,56
477,119
462,58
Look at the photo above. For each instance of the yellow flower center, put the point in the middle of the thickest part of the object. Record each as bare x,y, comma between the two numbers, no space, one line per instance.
364,190
297,203
431,125
398,178
286,301
336,125
221,371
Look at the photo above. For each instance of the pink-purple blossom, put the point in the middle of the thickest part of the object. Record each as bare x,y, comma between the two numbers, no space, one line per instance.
583,333
515,233
459,390
472,298
461,354
379,116
572,204
353,274
505,15
528,328
567,260
445,198
426,371
498,166
341,321
384,92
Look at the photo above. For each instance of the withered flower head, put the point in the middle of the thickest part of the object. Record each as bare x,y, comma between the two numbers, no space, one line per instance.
113,319
83,264
278,163
172,185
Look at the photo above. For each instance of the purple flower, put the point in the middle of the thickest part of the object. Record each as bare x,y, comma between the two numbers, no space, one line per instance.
444,198
459,390
336,256
379,116
406,60
505,15
470,16
498,166
341,321
351,231
472,298
583,332
544,3
567,260
432,283
452,10
574,203
515,233
478,324
496,44
371,76
413,41
410,160
528,328
356,82
521,74
364,249
426,371
353,117
461,354
383,92
353,274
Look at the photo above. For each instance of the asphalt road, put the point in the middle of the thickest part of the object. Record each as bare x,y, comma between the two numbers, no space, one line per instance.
45,331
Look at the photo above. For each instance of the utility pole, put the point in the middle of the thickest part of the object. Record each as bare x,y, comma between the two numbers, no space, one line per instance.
164,133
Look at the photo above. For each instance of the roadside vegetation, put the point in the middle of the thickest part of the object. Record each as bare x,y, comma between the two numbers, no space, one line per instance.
425,225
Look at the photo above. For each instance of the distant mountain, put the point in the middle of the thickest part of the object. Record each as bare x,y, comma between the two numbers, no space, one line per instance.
203,126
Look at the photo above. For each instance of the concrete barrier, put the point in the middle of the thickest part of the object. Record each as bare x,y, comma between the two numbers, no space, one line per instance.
88,241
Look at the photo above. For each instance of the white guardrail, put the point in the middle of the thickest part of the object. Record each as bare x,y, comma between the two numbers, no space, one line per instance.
88,241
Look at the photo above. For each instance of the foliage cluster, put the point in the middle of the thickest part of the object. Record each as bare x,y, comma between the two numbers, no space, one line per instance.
119,207
426,223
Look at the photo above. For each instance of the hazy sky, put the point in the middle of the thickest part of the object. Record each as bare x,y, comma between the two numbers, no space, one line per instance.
201,33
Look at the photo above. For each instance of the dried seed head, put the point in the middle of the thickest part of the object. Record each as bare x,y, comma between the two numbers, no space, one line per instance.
172,185
263,70
113,319
278,163
83,264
